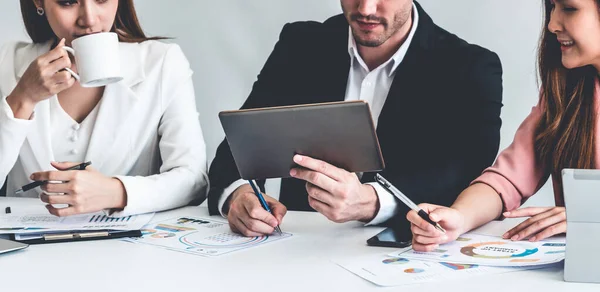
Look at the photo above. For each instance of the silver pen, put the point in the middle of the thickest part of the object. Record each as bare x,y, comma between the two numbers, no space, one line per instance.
398,194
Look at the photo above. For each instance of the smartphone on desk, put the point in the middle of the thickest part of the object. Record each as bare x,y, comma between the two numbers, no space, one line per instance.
391,238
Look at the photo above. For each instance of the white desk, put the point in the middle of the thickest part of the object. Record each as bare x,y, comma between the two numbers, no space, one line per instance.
301,263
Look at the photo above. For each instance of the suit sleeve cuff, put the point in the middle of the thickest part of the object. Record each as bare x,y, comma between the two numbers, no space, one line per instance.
6,114
135,202
388,207
228,192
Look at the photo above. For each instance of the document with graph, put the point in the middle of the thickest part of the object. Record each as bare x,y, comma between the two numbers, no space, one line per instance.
472,248
36,223
199,236
396,271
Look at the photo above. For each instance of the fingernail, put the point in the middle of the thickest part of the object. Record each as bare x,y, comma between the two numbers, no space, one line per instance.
433,217
515,238
297,158
293,172
505,235
31,177
506,214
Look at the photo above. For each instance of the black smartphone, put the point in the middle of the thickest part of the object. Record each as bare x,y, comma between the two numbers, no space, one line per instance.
391,238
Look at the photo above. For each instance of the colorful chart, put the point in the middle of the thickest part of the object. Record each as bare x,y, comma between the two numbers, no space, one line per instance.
414,271
199,236
457,267
163,235
222,240
172,228
485,250
497,250
395,261
148,232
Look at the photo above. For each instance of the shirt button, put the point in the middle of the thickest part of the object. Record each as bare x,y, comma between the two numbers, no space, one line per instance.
76,127
368,84
74,138
74,151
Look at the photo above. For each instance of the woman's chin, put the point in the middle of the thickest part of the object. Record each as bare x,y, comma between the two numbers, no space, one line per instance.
571,64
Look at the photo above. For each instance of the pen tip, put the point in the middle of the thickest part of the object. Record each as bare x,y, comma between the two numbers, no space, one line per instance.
18,191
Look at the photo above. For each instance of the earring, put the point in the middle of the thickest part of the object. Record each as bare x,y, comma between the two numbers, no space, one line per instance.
40,11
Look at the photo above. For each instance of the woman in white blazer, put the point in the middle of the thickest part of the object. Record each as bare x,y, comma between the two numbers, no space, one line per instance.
141,134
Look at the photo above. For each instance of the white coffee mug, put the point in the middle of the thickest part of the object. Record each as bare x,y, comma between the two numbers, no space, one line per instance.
97,59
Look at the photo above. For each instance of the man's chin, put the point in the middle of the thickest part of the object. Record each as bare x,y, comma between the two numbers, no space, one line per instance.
368,39
369,42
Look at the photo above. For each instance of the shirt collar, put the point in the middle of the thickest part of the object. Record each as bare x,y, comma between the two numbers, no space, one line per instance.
397,58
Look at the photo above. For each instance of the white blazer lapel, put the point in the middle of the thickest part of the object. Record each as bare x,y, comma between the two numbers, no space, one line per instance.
116,106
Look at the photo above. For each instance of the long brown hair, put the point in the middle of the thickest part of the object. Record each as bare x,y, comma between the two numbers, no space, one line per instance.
127,25
565,134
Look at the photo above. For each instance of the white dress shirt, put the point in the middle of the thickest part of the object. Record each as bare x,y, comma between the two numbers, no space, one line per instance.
144,132
372,87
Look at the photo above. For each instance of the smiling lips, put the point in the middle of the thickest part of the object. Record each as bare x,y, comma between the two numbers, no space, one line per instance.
565,44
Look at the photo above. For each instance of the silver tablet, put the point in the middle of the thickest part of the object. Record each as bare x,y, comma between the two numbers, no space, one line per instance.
581,188
263,141
8,246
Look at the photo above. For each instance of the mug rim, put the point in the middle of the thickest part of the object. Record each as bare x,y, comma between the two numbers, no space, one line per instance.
93,35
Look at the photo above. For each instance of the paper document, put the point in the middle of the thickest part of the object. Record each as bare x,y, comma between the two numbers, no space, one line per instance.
199,236
471,248
396,271
22,224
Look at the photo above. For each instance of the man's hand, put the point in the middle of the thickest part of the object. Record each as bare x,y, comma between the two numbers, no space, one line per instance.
248,217
336,193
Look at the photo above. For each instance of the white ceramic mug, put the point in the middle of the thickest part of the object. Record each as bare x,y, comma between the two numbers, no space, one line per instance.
97,59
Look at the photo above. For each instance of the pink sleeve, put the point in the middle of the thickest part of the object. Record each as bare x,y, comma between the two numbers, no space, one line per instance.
516,175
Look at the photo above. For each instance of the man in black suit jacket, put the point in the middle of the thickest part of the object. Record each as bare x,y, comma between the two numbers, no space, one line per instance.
435,98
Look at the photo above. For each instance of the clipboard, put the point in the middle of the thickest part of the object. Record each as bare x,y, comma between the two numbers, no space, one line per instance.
73,236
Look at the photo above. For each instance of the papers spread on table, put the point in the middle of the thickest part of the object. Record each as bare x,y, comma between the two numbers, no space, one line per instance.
396,271
42,223
199,236
472,248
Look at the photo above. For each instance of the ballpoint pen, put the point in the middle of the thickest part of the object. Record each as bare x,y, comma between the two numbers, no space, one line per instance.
36,184
263,202
398,194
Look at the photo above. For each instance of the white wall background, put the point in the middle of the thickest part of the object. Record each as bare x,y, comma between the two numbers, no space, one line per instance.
228,41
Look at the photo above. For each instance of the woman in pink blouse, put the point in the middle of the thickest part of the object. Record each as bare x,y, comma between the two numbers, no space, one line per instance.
560,132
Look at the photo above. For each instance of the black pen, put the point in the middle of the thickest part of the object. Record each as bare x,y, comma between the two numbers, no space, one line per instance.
36,184
398,194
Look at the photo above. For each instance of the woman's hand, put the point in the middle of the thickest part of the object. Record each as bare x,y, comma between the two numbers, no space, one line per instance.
43,78
425,236
543,223
84,191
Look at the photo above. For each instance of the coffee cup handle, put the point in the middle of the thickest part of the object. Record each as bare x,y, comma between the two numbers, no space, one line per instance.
72,52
